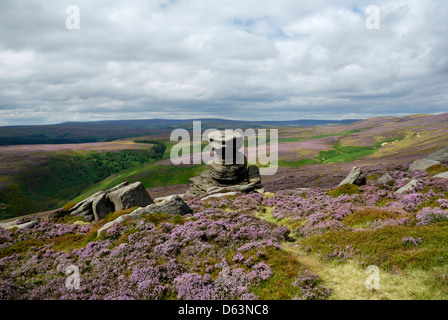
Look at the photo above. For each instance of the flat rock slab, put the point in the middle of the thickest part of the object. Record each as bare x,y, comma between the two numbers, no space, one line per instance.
443,175
220,195
408,187
13,224
422,164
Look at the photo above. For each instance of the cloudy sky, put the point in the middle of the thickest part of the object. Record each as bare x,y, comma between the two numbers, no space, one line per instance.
243,59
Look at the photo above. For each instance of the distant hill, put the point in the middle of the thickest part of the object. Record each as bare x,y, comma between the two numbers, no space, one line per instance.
100,131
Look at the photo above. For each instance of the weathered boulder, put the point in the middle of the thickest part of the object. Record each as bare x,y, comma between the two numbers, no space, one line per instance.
101,206
422,164
133,195
84,208
408,187
173,205
356,176
384,178
439,155
13,224
120,197
443,175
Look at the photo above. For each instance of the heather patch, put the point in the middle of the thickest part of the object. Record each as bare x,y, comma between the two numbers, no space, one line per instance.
385,247
348,189
156,257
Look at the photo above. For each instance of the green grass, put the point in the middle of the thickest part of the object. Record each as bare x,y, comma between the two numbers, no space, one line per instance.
292,139
342,154
335,134
347,189
436,169
297,163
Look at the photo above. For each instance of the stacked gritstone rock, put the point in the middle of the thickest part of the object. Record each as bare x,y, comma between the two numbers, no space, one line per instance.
228,169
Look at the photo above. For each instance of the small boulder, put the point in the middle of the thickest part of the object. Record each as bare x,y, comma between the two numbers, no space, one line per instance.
173,205
356,177
443,175
385,178
408,187
422,164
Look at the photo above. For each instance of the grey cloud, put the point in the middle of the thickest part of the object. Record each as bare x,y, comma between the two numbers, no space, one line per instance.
238,60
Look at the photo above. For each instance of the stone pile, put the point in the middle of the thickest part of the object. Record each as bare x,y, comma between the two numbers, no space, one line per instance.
228,169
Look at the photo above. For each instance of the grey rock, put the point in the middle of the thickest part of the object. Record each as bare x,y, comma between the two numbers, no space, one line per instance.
422,164
120,197
219,195
160,199
356,176
13,224
253,174
109,224
9,225
439,155
133,195
385,178
27,225
443,175
173,205
101,206
408,187
226,174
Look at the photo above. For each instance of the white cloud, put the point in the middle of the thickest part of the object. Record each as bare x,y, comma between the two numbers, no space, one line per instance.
236,59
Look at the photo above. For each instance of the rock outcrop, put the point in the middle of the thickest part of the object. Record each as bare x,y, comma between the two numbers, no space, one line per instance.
439,155
121,197
433,159
228,169
422,164
356,176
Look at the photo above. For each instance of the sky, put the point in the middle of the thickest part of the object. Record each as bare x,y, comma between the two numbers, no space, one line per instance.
241,60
